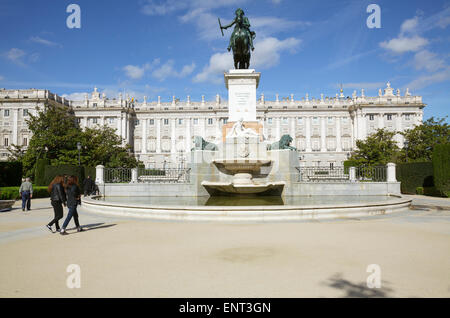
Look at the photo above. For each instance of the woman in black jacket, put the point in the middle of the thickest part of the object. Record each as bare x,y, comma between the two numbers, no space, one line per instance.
57,198
73,199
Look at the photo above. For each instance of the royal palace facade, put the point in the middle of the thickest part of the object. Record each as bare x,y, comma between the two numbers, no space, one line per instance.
324,130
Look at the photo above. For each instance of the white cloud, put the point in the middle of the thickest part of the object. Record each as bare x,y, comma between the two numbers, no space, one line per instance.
409,25
167,70
40,40
427,80
152,7
404,44
426,60
136,72
267,54
15,55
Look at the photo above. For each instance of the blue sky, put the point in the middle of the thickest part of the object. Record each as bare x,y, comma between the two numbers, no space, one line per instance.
170,48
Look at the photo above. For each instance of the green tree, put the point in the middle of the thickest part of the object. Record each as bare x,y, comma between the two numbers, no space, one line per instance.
55,137
422,139
377,149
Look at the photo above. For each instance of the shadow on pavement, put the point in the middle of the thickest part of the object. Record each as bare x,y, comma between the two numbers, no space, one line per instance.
358,290
94,226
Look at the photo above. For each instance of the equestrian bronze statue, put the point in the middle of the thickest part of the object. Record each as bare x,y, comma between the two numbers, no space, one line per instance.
241,40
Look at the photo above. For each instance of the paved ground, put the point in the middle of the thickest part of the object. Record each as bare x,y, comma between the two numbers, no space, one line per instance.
138,258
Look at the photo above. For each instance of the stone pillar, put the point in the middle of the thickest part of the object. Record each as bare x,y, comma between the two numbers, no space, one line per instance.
124,127
391,177
398,128
102,121
352,174
144,136
363,126
323,146
158,135
15,114
292,132
99,174
134,175
381,121
173,149
338,134
188,146
278,128
308,133
218,131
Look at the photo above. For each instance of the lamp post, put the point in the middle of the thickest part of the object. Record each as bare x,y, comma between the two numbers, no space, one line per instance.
406,144
79,148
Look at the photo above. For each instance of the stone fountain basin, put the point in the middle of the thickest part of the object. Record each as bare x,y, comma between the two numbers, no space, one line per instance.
234,166
221,188
6,205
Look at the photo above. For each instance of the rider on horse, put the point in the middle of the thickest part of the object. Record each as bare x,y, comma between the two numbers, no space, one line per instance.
240,17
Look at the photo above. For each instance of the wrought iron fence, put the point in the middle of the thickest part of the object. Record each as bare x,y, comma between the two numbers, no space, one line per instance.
341,174
322,174
167,175
117,175
371,174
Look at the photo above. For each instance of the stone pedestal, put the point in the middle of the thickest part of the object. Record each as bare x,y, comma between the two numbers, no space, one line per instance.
242,85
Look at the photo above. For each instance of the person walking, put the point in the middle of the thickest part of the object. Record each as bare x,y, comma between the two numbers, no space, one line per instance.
26,193
57,198
73,199
88,186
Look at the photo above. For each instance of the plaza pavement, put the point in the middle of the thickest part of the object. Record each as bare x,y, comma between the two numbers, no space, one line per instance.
124,257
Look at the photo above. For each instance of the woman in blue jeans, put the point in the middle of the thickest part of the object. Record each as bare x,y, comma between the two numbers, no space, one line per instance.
73,199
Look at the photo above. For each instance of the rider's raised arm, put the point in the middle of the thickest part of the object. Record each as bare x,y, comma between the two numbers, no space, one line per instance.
229,25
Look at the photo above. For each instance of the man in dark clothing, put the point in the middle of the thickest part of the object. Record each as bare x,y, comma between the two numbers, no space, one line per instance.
88,186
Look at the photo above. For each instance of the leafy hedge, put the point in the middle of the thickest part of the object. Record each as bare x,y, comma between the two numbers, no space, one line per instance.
10,173
414,175
39,173
53,171
348,164
12,193
441,168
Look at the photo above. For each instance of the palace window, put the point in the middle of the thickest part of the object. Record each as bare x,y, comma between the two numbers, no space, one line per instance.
285,121
269,121
6,142
166,121
136,122
94,104
389,117
407,117
225,121
315,120
195,121
300,121
78,121
371,117
6,113
151,121
330,120
25,112
111,120
180,121
25,141
94,120
210,121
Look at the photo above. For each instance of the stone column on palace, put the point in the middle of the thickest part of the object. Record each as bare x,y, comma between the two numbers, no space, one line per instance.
119,125
144,136
338,134
398,128
158,135
218,131
323,146
363,126
292,131
188,135
278,128
380,120
102,121
124,126
308,133
173,149
15,114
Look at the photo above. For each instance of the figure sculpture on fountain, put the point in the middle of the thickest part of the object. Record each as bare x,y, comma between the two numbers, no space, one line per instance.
238,130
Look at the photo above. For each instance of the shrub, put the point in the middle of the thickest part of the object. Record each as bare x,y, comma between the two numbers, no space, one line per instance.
10,173
441,167
39,173
53,171
89,171
12,193
419,190
348,164
414,175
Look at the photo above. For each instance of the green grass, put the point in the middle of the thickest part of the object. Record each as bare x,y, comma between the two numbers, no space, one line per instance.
12,193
